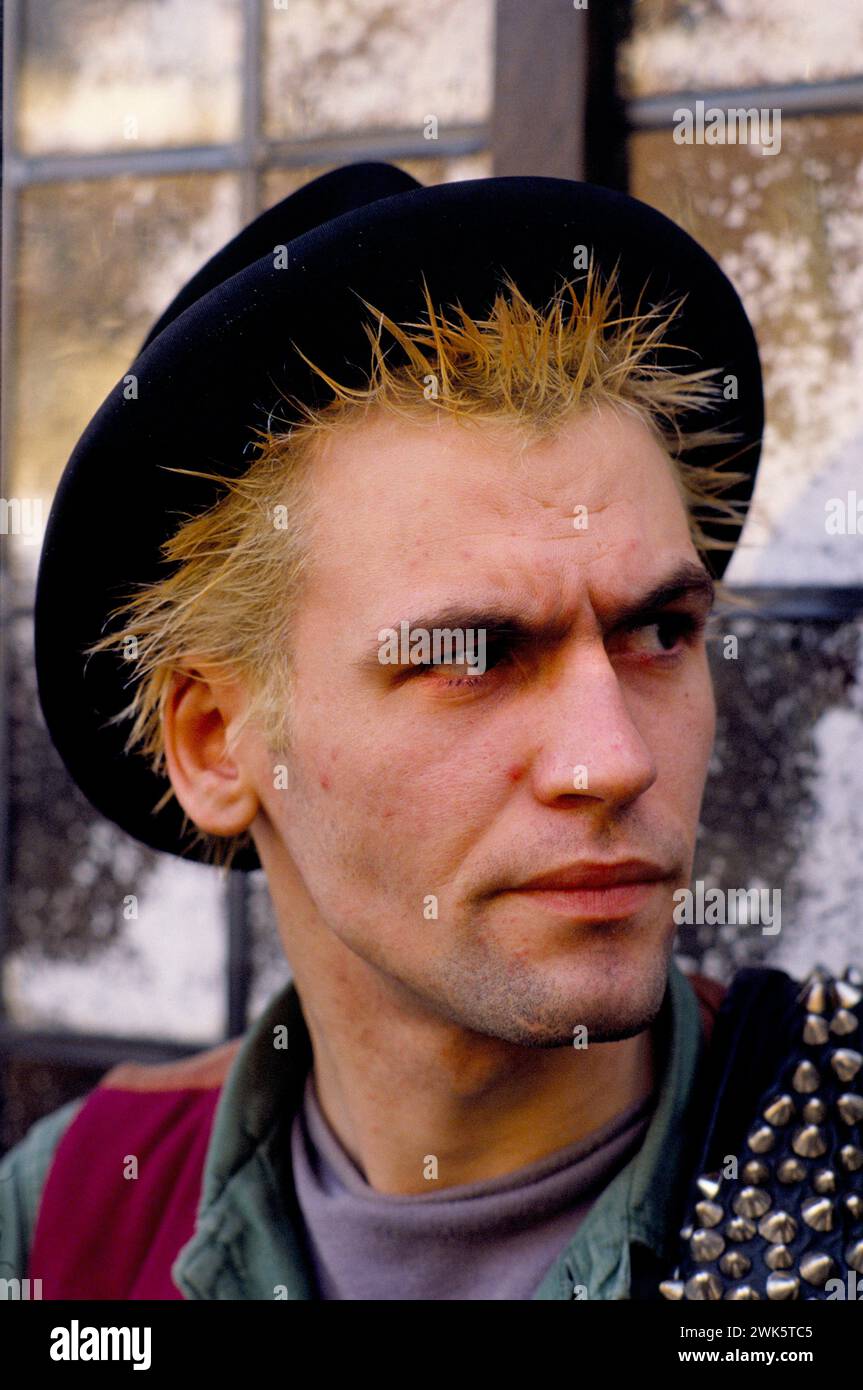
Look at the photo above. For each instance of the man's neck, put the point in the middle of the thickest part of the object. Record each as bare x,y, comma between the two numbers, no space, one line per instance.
400,1091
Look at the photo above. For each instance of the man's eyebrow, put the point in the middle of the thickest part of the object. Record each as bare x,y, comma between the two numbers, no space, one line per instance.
519,625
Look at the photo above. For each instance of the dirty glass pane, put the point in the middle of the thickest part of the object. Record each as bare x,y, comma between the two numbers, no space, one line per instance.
278,183
783,809
95,75
677,45
788,229
97,263
349,65
106,936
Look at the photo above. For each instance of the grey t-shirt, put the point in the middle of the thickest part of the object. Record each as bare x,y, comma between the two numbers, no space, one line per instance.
493,1239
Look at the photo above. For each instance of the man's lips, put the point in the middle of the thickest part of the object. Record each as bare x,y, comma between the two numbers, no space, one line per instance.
594,891
595,875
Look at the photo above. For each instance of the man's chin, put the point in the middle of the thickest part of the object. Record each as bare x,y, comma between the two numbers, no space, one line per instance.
605,997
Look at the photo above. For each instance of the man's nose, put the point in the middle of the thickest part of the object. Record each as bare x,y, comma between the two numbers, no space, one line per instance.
589,745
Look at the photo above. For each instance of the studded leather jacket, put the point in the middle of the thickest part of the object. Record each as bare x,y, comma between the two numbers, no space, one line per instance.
775,1204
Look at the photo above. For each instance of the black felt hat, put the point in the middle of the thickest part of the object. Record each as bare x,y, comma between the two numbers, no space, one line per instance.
222,358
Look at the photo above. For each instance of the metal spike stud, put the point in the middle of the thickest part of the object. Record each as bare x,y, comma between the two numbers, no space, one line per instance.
816,998
809,1142
791,1170
815,1030
709,1213
735,1264
752,1201
671,1288
782,1286
853,976
843,1022
848,993
816,1268
777,1227
817,1212
850,1107
761,1140
743,1291
814,1111
779,1111
755,1171
824,1180
854,1203
709,1184
854,1256
778,1257
706,1245
703,1286
846,1063
740,1228
851,1157
806,1078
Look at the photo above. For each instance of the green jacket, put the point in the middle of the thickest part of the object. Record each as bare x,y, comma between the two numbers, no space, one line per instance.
249,1240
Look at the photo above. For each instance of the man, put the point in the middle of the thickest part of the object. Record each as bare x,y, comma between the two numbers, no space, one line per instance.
442,480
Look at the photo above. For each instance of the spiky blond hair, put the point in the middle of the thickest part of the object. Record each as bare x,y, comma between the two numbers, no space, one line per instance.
236,573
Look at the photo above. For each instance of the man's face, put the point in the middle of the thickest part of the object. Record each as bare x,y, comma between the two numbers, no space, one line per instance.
422,800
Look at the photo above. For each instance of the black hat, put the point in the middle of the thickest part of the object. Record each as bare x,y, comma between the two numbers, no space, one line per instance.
222,358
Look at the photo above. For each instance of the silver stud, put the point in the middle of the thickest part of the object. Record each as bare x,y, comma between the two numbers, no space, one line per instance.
751,1201
816,997
848,993
755,1171
686,1232
854,1256
809,1142
671,1288
708,1213
824,1180
850,1107
806,1078
816,1268
761,1140
703,1286
740,1228
706,1245
854,1203
709,1184
853,976
778,1257
779,1111
814,1111
743,1291
815,1030
843,1023
782,1286
777,1227
791,1170
817,1212
851,1157
846,1063
735,1264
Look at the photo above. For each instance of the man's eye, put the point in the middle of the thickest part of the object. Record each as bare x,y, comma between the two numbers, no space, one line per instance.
664,635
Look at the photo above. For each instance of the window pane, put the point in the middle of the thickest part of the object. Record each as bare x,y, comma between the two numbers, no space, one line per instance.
97,264
783,807
677,45
97,75
788,230
79,957
348,65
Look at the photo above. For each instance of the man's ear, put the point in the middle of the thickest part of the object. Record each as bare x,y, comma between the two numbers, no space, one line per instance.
213,784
